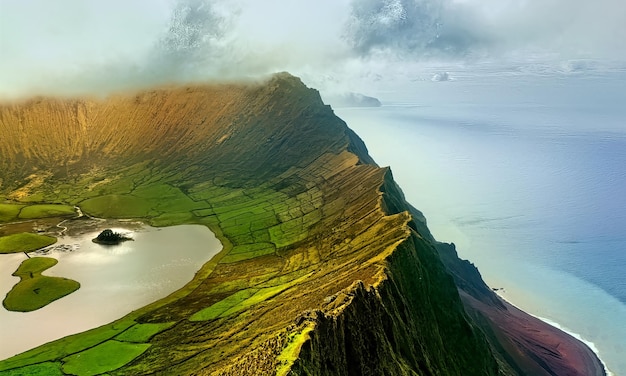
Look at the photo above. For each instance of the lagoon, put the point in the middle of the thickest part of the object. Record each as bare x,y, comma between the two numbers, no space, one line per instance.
115,280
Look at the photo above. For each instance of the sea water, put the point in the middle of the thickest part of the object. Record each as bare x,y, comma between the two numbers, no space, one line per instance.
115,279
526,174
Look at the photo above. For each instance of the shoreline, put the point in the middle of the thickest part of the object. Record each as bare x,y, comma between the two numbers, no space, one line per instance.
558,326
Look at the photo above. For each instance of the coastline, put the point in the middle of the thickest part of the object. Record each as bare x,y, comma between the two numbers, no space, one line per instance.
590,345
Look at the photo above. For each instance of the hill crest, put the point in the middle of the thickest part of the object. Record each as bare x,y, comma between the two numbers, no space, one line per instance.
325,268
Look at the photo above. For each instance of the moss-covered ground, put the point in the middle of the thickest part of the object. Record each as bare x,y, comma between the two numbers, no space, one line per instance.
24,242
34,290
105,357
9,212
301,217
18,211
43,211
275,237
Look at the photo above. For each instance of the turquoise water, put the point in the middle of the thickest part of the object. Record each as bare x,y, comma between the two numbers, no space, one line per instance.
527,176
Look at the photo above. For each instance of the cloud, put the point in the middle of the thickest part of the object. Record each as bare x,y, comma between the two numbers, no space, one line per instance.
194,38
402,26
439,29
78,46
73,46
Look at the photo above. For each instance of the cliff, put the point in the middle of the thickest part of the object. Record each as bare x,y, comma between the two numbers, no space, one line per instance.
325,269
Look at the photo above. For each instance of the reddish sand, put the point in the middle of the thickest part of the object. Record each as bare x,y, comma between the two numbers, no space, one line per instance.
534,346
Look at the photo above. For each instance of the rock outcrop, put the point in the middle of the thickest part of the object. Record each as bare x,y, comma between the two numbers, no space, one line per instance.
110,237
325,270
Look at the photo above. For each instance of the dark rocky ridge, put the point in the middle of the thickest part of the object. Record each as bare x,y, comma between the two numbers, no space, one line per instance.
354,283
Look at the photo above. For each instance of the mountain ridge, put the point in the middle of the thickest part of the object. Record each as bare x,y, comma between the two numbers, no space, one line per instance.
325,268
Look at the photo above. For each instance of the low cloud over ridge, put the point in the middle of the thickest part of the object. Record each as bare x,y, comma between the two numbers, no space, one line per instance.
73,46
488,28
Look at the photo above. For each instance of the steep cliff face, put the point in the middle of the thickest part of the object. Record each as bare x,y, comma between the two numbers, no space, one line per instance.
325,270
259,130
523,344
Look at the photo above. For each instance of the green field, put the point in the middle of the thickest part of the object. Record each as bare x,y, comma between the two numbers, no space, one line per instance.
24,242
46,211
34,290
41,369
118,206
105,357
9,212
140,333
251,223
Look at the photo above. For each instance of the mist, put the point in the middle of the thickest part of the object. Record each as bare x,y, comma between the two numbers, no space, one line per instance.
70,47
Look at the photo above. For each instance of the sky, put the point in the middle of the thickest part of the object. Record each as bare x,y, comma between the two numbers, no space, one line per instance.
88,46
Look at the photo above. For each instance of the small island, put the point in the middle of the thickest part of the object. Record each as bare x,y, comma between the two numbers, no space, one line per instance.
35,290
110,237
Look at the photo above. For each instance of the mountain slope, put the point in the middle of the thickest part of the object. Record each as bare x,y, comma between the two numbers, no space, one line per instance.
325,268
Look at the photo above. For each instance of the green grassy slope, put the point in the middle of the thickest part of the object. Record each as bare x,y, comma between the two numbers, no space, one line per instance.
323,270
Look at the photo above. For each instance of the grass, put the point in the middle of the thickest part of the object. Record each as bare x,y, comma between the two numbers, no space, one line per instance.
242,300
147,201
141,333
248,251
216,310
290,352
285,278
250,221
34,266
45,211
244,216
118,206
305,202
66,346
24,242
34,197
172,219
254,216
258,297
105,357
165,198
34,290
42,369
9,212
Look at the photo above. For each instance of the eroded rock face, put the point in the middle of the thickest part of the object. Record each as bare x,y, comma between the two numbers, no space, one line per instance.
325,269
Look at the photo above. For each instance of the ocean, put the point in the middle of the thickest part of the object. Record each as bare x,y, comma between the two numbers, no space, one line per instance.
526,174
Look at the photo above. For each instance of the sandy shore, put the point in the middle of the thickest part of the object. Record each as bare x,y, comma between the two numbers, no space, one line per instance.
533,345
556,325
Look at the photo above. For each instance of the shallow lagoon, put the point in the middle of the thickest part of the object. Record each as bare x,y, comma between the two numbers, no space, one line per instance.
115,279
